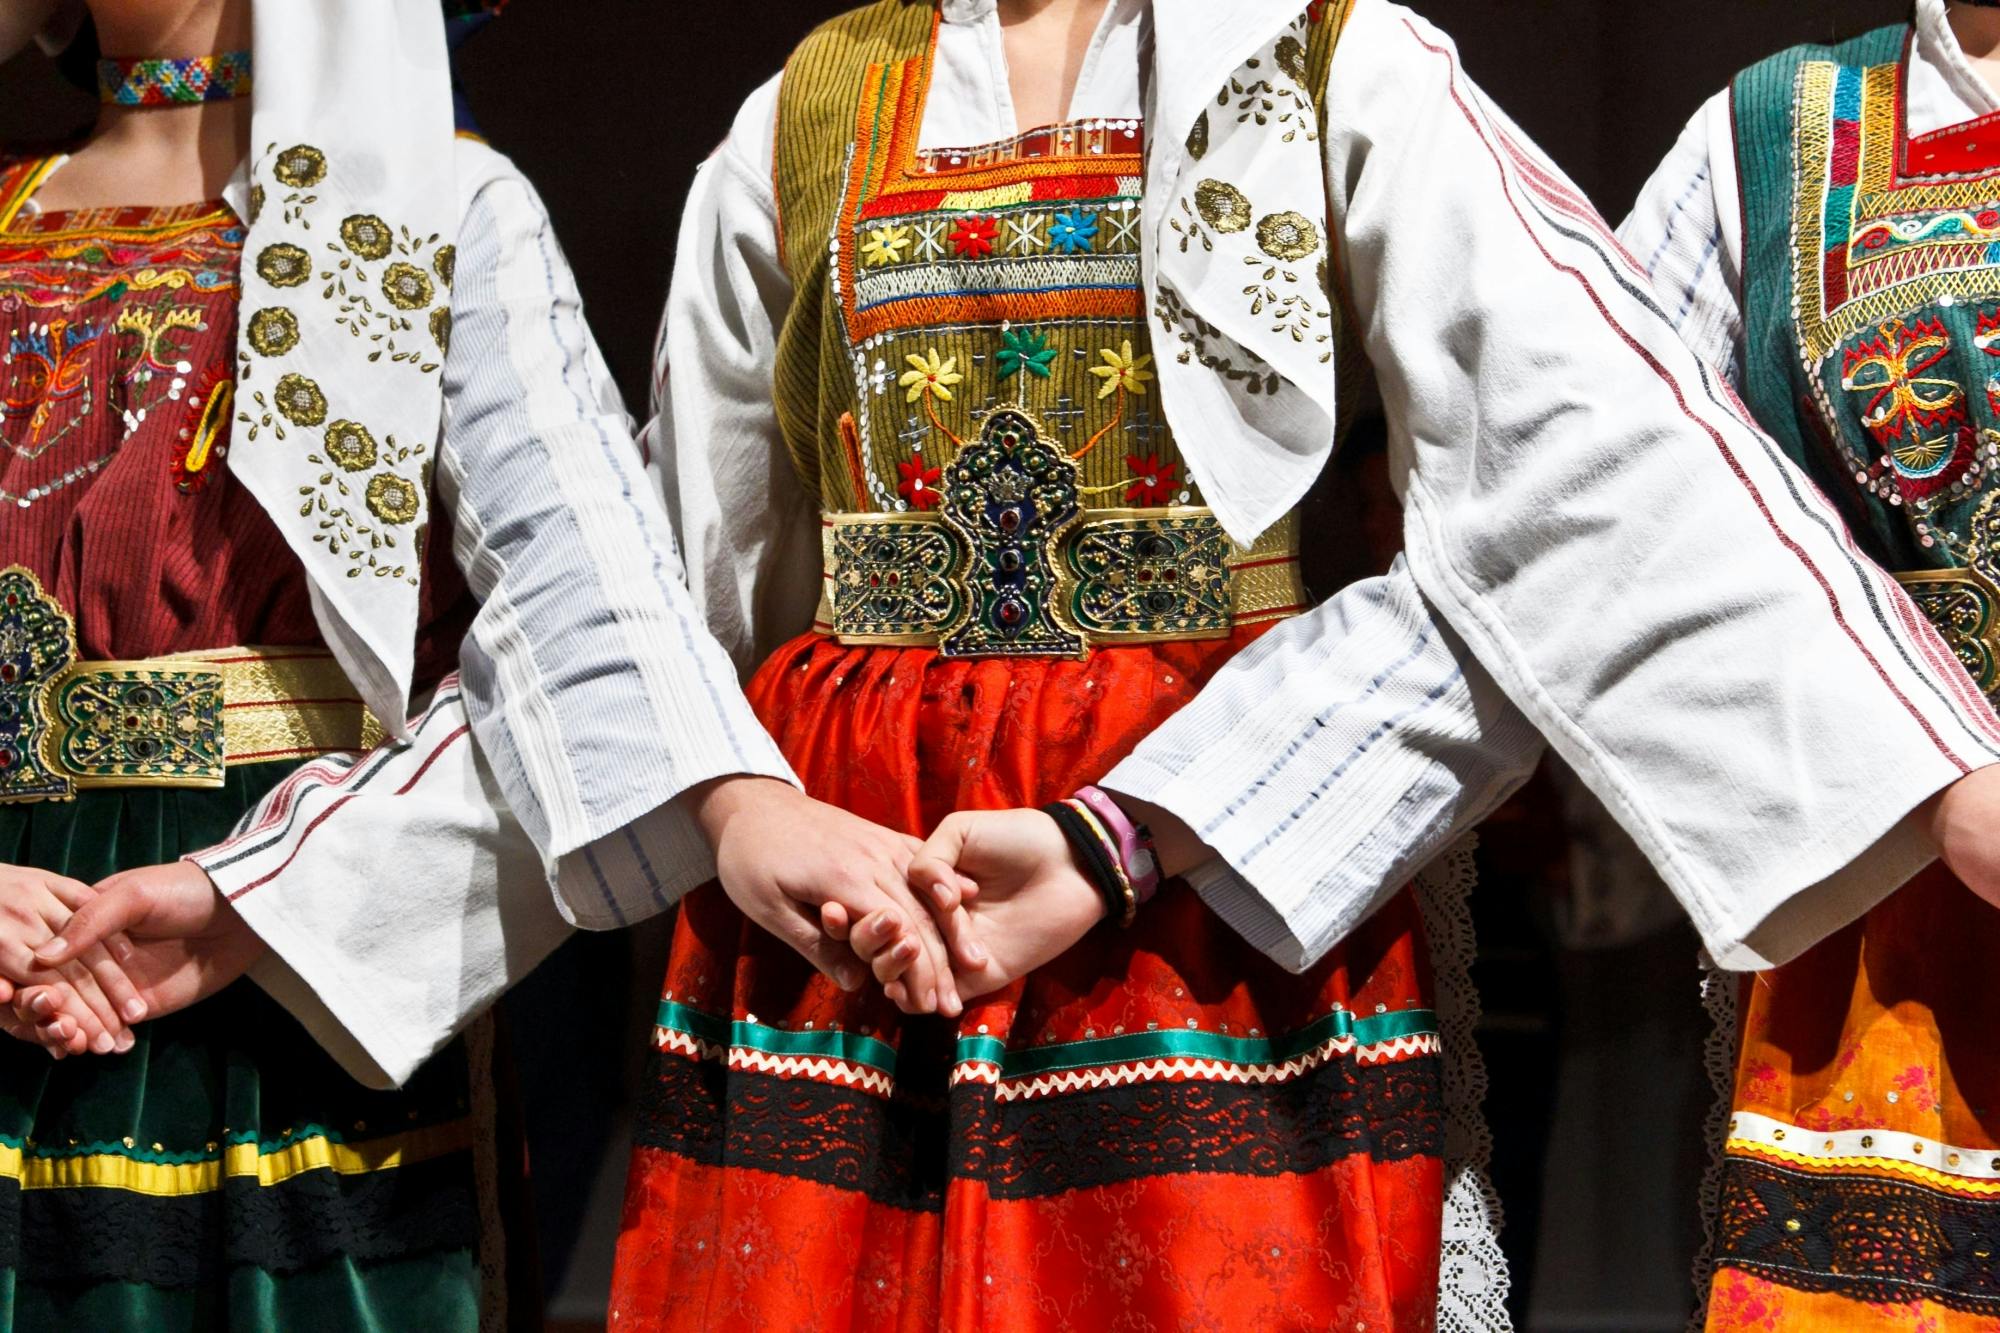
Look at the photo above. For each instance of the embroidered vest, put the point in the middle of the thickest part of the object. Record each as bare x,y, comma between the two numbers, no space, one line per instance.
965,378
1871,294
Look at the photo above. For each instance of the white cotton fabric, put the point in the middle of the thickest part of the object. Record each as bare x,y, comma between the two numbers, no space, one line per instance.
367,84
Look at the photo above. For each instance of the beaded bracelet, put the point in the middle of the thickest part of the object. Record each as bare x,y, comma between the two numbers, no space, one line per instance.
1097,853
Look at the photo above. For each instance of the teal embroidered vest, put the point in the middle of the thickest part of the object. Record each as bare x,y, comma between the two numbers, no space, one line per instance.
1871,295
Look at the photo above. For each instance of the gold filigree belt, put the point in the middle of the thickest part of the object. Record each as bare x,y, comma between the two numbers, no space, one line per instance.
1964,605
66,725
1119,576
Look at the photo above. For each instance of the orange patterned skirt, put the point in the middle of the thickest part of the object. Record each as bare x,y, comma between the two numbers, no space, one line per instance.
1161,1129
1861,1181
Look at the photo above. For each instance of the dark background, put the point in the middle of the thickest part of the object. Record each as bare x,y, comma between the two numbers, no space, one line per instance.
609,105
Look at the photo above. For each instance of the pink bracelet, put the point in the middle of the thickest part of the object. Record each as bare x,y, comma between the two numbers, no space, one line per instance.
1134,842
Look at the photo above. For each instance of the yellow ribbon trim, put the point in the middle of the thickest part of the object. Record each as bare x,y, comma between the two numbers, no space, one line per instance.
1867,1166
239,1161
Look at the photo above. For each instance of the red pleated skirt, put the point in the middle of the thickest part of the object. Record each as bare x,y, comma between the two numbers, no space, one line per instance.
1159,1130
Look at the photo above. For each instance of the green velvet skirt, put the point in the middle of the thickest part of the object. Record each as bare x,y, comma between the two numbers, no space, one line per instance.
225,1173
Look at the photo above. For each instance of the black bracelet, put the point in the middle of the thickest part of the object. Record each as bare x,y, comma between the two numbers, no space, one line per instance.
1091,855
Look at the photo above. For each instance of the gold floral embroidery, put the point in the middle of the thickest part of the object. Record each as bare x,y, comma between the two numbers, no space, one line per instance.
1222,206
1287,236
356,490
350,446
407,287
274,331
1291,57
300,167
284,265
300,401
403,284
368,236
392,499
1197,141
343,519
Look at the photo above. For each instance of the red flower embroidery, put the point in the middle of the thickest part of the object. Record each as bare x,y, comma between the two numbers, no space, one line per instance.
973,237
1156,480
919,484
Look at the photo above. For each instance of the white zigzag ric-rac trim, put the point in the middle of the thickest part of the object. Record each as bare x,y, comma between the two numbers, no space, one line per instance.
819,1068
1190,1068
673,1039
975,1071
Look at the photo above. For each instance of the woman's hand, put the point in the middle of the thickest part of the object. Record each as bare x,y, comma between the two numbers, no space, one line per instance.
829,884
82,1003
1033,902
178,939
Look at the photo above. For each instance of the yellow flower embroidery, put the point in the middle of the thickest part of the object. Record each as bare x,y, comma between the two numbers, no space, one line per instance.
928,375
1122,370
885,246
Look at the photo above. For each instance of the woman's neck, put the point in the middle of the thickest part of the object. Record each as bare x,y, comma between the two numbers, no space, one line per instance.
1046,43
1977,28
159,154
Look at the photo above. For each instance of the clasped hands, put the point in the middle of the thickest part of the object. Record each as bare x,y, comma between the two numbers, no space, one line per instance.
990,897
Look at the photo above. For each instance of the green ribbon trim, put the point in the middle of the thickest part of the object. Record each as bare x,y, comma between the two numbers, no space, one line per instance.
1128,1048
851,1047
1191,1043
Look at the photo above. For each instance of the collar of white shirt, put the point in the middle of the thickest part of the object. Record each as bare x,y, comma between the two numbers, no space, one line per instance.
1944,89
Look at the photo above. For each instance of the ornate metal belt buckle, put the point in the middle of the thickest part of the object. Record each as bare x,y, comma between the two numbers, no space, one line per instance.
1964,606
1012,497
895,579
67,725
1152,575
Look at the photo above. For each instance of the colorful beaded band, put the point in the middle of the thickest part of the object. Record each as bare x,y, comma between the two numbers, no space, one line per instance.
184,82
1132,842
1097,854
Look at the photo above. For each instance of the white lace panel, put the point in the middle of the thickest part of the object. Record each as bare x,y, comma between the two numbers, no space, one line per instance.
1718,1057
1472,1278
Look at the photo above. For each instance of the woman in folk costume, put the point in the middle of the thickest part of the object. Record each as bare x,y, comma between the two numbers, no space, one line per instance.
1053,372
1824,233
267,418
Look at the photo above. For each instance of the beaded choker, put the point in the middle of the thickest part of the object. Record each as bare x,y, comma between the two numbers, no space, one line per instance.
216,78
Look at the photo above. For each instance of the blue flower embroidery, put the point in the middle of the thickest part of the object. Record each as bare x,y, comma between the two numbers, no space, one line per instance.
1073,232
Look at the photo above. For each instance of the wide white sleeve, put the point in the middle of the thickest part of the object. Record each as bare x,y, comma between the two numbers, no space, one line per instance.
749,528
1591,510
592,698
397,896
1329,761
1686,231
594,687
